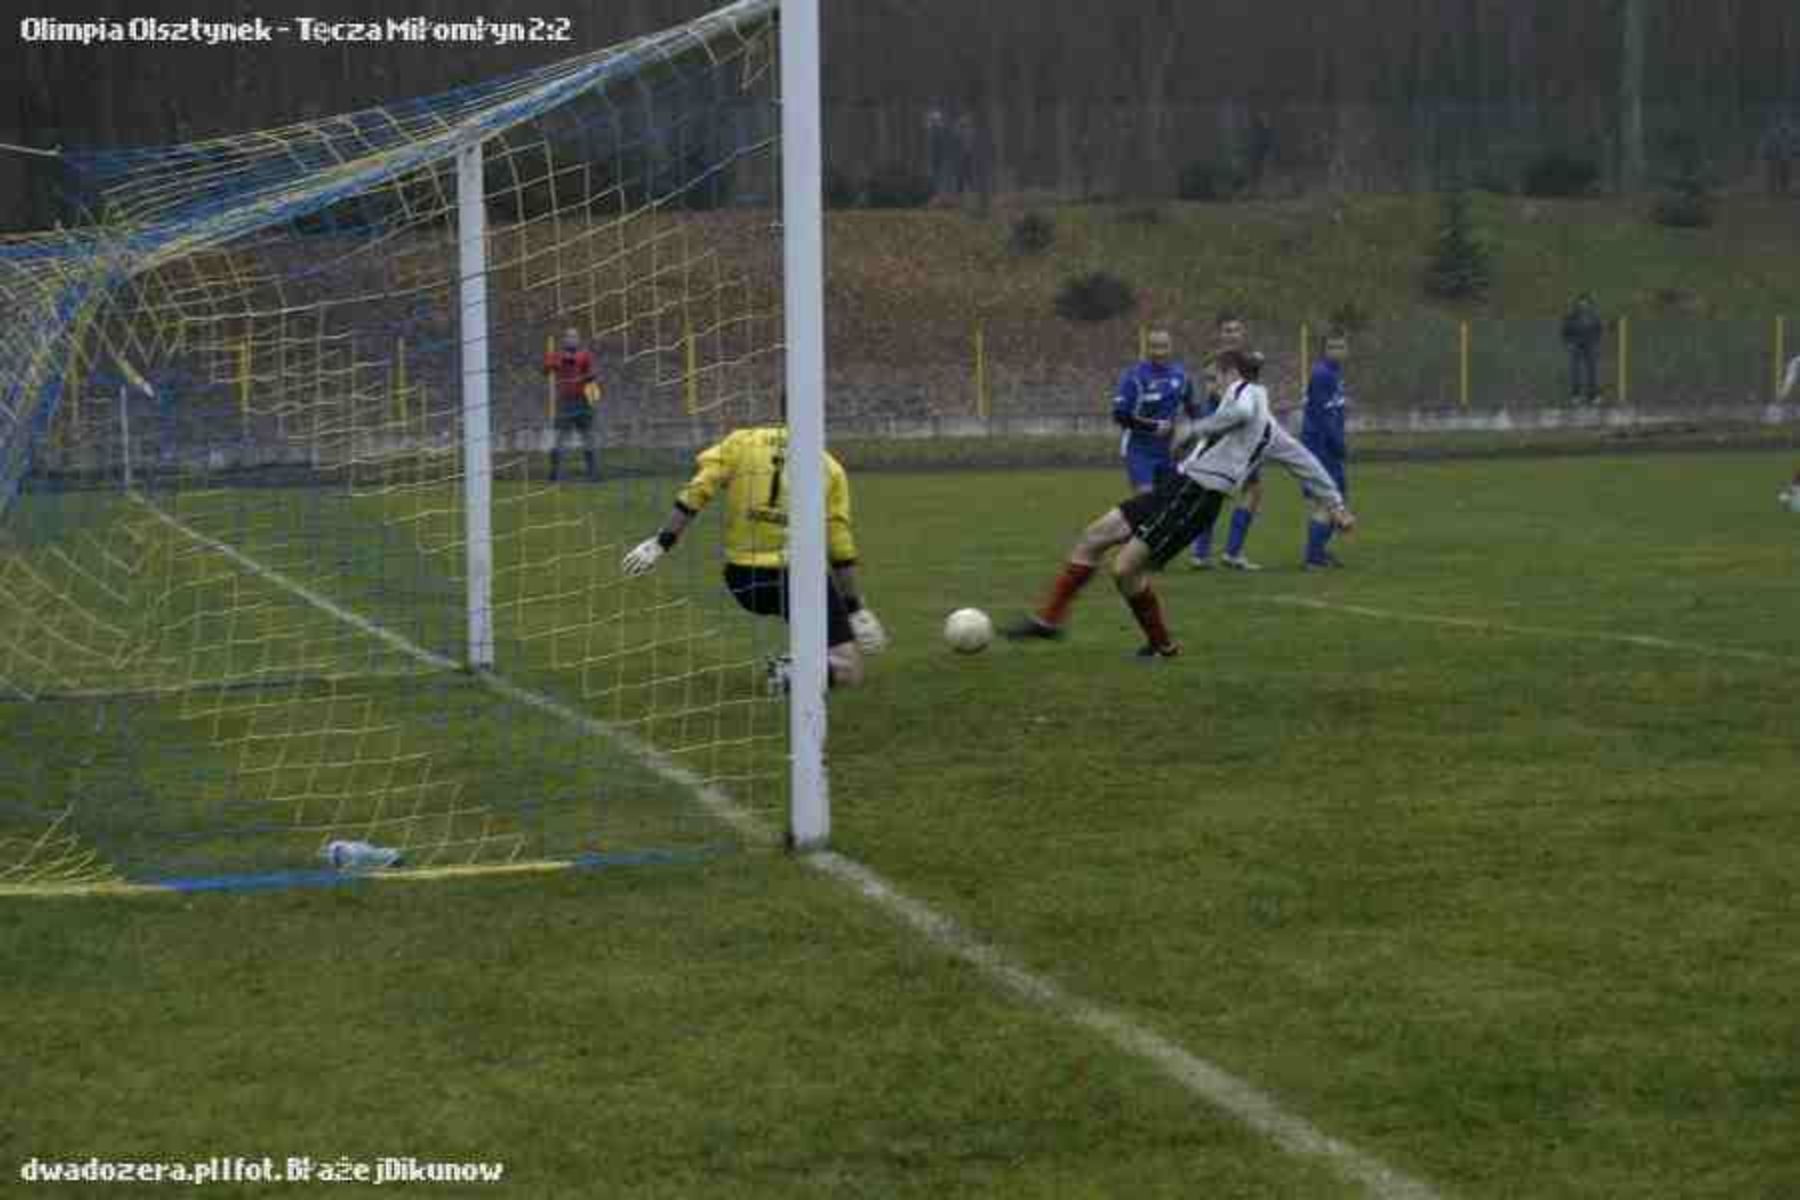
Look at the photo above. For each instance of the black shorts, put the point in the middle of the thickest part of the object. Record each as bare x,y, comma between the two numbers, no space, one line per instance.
764,591
1171,517
579,417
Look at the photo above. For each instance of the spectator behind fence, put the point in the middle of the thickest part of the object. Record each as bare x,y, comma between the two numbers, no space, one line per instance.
940,144
1261,150
968,157
1581,333
1780,150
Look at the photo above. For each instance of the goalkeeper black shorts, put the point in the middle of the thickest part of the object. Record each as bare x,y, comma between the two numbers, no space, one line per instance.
1172,516
764,591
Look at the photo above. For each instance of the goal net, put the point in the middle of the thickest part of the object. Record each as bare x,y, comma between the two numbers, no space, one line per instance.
276,455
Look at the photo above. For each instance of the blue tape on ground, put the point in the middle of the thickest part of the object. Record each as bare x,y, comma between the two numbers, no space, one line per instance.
325,877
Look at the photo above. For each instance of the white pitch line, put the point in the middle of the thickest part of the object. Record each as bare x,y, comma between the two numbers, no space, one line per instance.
352,619
1544,631
711,798
1211,1083
1222,1090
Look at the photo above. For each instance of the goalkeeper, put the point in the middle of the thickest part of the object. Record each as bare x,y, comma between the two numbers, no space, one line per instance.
748,468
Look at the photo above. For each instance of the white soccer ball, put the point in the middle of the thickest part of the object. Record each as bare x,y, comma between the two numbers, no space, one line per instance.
968,630
1790,499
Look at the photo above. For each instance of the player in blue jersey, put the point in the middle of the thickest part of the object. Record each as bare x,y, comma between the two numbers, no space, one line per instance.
1322,432
1152,396
1232,334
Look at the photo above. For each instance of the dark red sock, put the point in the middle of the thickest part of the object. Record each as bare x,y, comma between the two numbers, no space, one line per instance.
1068,585
1148,611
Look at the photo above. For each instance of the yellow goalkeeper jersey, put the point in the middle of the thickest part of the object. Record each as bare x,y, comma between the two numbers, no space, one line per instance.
748,467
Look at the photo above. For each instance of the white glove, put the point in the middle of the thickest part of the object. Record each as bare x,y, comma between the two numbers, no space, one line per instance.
643,559
871,638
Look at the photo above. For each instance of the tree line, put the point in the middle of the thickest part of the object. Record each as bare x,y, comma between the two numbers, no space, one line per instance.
1063,96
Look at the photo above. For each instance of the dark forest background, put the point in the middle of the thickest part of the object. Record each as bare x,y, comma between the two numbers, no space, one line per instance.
1071,97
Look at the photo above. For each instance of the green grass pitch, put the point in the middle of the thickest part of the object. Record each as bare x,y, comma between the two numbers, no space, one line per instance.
1479,854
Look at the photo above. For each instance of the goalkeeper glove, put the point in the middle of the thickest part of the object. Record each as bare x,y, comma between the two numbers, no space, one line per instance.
871,638
1342,519
643,558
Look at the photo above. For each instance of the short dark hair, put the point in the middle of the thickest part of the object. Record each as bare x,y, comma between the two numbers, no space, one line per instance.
1247,363
1227,316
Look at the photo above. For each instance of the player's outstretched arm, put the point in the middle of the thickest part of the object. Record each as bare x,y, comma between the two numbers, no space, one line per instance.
715,465
644,556
840,545
1314,479
871,636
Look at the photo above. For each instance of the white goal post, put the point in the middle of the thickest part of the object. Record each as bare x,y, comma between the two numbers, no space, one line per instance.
803,283
477,424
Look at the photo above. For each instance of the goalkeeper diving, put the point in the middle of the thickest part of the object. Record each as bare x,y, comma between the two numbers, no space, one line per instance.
748,468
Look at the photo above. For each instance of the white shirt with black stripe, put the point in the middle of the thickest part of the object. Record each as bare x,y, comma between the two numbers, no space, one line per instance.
1241,436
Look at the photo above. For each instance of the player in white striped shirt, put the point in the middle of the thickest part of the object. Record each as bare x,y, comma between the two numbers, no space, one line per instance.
1151,529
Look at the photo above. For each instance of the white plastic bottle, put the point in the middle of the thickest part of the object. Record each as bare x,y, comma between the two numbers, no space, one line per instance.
359,856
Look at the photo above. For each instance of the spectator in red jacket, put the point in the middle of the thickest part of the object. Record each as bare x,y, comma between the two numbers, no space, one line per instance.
577,388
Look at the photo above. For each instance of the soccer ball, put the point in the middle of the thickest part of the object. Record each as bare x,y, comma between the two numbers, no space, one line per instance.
968,630
1790,499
